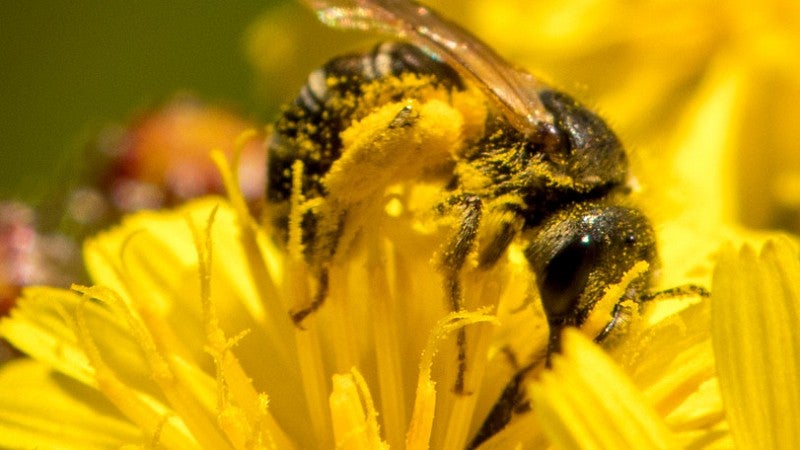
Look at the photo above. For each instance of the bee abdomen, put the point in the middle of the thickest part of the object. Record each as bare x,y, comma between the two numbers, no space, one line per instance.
385,60
327,104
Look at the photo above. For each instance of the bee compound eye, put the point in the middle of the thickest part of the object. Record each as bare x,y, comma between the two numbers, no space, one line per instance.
565,276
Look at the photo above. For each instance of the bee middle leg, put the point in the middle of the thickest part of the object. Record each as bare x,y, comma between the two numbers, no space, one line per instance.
501,228
453,259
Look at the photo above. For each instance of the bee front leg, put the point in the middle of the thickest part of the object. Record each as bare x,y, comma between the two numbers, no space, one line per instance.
513,401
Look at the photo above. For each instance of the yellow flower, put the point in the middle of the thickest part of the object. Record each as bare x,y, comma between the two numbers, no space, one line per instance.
186,342
186,338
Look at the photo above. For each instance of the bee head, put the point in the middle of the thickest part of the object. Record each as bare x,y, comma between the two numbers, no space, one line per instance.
581,250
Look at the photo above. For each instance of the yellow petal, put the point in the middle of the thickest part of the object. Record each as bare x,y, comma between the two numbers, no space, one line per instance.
419,430
755,318
587,402
355,423
59,412
670,361
38,327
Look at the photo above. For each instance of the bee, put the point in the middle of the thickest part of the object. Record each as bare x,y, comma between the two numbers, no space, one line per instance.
554,174
566,168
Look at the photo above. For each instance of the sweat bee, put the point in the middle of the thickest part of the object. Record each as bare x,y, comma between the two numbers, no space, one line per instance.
563,161
552,175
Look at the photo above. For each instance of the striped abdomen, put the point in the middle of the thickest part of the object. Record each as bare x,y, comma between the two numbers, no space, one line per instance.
331,100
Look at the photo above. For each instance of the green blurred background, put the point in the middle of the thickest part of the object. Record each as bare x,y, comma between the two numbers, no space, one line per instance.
67,68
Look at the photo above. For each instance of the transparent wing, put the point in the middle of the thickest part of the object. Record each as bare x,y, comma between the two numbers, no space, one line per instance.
514,90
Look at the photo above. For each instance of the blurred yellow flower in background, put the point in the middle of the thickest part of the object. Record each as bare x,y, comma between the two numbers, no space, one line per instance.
185,340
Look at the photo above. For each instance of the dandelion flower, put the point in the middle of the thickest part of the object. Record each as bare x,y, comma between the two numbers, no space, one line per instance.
185,341
186,338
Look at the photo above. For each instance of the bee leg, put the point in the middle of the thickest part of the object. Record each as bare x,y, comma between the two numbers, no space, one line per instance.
677,291
459,247
453,260
319,298
513,401
323,241
621,311
498,228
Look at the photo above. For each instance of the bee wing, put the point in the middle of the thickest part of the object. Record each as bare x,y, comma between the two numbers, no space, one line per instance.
515,91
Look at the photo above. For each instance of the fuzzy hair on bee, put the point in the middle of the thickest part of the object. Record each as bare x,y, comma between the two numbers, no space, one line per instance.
544,171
